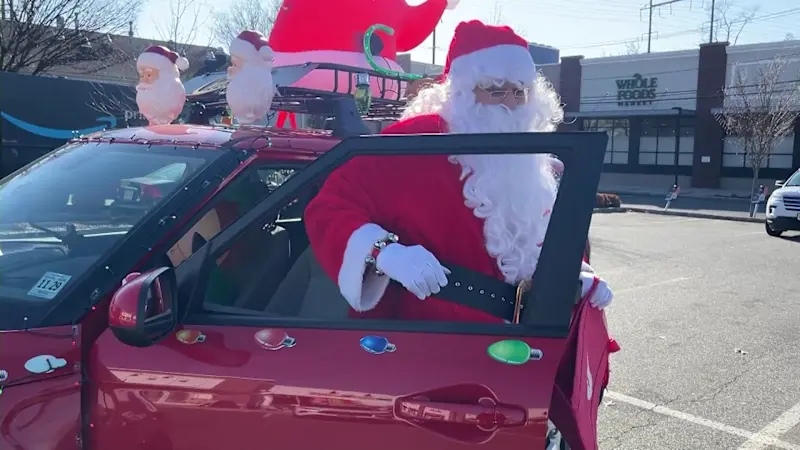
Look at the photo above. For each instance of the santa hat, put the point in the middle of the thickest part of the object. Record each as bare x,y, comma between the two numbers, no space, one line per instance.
162,58
480,53
251,46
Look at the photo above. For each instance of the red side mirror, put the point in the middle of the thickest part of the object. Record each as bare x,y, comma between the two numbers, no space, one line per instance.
142,311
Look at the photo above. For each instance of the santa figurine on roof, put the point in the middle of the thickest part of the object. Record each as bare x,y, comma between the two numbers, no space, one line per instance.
160,95
405,219
250,87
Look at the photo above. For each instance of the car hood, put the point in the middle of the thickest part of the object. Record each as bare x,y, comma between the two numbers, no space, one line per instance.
789,190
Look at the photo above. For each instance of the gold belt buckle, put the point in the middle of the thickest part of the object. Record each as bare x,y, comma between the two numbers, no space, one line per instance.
523,287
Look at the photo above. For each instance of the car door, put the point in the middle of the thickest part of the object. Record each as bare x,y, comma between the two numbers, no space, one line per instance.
40,374
234,378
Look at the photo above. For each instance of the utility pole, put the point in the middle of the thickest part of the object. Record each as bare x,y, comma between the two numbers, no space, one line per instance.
650,8
711,27
433,52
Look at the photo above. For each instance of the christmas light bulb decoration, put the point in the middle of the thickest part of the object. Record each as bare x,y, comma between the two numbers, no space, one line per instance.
513,352
377,345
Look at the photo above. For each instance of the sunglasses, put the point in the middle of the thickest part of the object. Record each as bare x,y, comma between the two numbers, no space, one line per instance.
502,94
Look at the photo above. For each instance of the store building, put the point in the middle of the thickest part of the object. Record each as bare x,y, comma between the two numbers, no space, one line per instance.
660,111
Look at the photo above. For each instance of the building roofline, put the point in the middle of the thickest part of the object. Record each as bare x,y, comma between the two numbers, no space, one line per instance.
762,46
642,57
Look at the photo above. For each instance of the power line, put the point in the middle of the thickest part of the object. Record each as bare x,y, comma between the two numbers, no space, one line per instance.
775,15
650,9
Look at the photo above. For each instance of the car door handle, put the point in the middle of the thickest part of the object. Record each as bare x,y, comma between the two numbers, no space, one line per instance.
484,413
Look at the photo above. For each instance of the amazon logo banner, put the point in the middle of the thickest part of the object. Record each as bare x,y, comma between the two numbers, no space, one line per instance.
46,111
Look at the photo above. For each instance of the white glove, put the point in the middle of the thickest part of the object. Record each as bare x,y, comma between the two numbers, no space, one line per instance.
451,4
414,267
602,295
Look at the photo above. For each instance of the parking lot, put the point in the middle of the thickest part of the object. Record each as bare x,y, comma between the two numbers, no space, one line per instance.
708,316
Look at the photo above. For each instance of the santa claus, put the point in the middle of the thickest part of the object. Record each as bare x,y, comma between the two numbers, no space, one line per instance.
404,218
250,87
160,94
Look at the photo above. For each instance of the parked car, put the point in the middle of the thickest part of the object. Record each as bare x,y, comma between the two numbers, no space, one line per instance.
783,206
200,320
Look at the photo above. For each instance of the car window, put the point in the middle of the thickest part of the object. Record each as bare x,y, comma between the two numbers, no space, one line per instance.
794,180
235,199
62,213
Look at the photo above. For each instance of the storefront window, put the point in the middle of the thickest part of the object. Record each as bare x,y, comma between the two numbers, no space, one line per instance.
618,137
658,140
780,158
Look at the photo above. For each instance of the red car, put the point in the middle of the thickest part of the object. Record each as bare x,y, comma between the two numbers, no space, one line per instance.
157,291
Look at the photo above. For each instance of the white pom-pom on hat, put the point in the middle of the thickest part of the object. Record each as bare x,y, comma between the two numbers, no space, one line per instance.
182,63
250,45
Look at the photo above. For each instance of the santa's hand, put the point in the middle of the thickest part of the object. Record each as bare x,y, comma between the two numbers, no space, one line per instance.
414,267
602,295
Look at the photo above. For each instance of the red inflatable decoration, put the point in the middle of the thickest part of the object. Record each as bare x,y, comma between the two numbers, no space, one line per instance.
333,31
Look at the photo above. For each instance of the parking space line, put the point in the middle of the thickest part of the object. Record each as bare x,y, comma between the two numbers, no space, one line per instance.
774,429
645,286
760,438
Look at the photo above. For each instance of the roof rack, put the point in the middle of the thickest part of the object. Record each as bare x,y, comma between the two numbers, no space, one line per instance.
311,101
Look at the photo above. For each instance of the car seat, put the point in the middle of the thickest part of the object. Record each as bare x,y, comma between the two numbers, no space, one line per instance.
308,292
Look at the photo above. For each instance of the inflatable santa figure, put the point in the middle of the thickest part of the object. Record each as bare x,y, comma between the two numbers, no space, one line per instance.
160,94
333,32
250,87
405,218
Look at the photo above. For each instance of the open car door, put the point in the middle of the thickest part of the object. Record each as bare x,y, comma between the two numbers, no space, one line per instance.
233,378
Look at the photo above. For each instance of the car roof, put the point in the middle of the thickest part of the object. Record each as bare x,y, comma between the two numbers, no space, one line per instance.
265,139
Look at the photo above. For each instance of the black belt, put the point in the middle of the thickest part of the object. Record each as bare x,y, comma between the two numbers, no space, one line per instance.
478,291
484,293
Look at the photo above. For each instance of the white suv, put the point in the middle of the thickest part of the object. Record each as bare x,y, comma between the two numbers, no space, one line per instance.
783,206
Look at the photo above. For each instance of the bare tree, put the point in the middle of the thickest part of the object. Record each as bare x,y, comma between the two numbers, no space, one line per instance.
633,47
761,107
497,17
728,19
180,27
256,15
37,36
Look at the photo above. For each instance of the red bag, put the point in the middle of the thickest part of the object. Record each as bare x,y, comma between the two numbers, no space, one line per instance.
581,377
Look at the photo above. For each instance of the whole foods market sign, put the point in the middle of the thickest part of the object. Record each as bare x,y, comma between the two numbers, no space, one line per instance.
636,91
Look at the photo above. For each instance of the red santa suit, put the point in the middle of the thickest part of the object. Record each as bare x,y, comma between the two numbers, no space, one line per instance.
421,199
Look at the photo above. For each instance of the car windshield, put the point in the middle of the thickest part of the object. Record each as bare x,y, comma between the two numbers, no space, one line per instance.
63,212
794,180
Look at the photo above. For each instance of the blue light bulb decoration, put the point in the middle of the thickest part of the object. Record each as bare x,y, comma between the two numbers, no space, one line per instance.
377,345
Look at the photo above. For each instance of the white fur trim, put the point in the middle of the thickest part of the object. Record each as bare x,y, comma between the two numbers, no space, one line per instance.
156,61
502,62
245,50
182,63
361,292
586,267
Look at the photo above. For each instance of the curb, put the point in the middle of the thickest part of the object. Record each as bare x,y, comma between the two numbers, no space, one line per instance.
696,197
610,210
696,215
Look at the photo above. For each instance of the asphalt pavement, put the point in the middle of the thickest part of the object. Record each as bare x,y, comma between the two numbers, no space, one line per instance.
708,316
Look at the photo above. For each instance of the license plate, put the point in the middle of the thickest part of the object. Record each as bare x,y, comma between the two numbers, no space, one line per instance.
128,195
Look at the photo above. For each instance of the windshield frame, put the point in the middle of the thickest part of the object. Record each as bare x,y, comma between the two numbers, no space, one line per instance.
121,254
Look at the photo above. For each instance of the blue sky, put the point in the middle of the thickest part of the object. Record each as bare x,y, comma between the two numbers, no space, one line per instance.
577,27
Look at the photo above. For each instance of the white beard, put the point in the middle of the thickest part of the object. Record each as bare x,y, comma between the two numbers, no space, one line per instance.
162,101
513,194
250,92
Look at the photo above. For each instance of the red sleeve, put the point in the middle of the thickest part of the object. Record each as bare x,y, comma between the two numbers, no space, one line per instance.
426,123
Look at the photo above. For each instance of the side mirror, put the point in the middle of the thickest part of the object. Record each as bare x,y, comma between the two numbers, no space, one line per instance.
142,311
779,183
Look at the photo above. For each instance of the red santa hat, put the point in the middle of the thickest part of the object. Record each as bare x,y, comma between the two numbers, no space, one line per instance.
481,53
162,59
251,46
